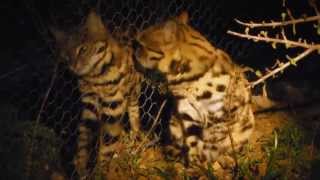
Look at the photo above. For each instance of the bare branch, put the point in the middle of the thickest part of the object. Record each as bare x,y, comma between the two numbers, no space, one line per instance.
313,4
155,122
42,107
277,23
276,40
8,74
283,66
290,15
281,38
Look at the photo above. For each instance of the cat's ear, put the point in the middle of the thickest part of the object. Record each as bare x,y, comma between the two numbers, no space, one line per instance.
94,25
183,17
59,36
170,31
170,28
61,42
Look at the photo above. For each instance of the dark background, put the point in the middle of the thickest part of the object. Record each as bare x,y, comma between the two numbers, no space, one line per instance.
29,74
27,47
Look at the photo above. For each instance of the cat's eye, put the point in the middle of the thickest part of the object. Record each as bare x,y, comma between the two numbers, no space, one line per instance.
81,50
155,58
137,47
101,47
136,44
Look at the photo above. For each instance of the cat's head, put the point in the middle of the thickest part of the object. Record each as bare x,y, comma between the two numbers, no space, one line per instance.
83,49
175,49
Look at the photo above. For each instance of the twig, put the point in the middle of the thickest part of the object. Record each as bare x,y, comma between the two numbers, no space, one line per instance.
308,47
275,40
290,15
152,127
9,74
313,4
43,104
277,23
158,115
282,67
316,129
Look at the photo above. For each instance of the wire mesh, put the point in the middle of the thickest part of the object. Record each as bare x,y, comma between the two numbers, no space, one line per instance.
46,97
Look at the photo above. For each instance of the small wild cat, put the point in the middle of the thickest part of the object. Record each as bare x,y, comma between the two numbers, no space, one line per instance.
213,115
109,86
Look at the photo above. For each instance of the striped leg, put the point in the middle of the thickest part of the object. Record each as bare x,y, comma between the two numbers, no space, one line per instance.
109,141
134,114
176,147
86,142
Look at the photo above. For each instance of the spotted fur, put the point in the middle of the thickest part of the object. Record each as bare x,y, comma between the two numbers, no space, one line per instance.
109,85
213,115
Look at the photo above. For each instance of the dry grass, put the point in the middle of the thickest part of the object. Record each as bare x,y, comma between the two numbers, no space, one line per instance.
279,149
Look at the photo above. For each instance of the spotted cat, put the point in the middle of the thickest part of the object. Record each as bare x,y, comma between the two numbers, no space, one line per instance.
109,86
213,115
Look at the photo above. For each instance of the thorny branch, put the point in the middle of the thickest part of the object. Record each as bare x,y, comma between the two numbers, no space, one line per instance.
275,40
282,67
309,47
274,24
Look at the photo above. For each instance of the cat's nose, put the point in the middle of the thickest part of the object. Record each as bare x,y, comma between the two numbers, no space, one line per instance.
174,67
177,67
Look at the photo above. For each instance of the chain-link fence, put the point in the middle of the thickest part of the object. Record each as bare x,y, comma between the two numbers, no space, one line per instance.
40,106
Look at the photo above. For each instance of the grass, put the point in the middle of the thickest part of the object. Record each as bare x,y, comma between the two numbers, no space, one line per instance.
25,151
289,153
285,155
